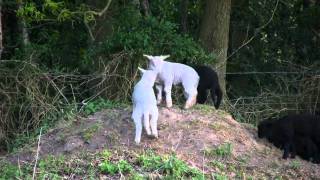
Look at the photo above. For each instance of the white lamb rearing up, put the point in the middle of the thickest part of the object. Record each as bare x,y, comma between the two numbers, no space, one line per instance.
174,73
145,105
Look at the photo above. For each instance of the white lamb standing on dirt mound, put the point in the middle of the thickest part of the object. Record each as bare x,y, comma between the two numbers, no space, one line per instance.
145,105
174,73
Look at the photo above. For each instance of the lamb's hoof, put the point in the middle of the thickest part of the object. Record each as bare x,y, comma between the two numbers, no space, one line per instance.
169,105
149,134
187,106
137,142
155,136
152,136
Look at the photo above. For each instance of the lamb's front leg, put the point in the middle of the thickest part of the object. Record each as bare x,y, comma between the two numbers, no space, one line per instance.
286,150
138,124
159,93
167,90
191,98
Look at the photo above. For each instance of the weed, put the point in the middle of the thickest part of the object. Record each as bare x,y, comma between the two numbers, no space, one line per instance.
9,171
243,159
218,164
217,176
150,161
224,150
108,167
88,133
99,104
137,176
170,166
217,126
106,154
295,165
124,166
205,109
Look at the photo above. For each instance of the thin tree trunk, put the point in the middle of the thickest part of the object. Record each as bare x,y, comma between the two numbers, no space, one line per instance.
184,15
144,5
1,36
214,34
25,35
24,31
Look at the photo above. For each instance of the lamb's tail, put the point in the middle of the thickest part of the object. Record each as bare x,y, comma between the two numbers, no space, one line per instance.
216,95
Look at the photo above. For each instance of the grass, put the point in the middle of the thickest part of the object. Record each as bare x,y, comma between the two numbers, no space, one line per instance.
224,150
295,164
107,163
170,166
217,126
99,104
205,109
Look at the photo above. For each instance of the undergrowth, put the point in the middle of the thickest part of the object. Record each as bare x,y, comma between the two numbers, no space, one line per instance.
68,114
107,164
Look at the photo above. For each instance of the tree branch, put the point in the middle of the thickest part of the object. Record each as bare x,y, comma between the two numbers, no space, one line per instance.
257,31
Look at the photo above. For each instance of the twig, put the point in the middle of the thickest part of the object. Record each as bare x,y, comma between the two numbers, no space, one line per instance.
256,33
19,166
89,30
104,9
37,156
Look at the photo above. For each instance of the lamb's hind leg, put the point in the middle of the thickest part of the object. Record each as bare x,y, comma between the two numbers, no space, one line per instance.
167,90
137,117
154,121
159,93
146,122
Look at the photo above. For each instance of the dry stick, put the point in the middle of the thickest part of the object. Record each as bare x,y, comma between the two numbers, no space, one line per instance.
260,28
37,156
19,166
98,14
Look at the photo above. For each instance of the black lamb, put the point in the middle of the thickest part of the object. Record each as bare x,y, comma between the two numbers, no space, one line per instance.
306,149
286,133
208,81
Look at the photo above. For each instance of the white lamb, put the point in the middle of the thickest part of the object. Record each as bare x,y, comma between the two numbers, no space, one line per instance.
174,73
145,105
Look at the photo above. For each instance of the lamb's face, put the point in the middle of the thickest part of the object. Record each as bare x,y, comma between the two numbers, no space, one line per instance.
156,62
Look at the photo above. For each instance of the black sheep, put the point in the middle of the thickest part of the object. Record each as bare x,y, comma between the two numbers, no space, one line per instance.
285,133
208,81
306,149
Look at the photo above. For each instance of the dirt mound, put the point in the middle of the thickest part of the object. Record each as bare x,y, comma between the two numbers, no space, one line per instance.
194,136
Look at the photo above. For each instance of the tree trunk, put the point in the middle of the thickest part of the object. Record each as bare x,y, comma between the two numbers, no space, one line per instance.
1,37
144,5
214,34
184,15
24,31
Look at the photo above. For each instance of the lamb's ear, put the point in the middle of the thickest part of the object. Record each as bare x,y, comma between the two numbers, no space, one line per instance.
141,70
147,56
165,57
